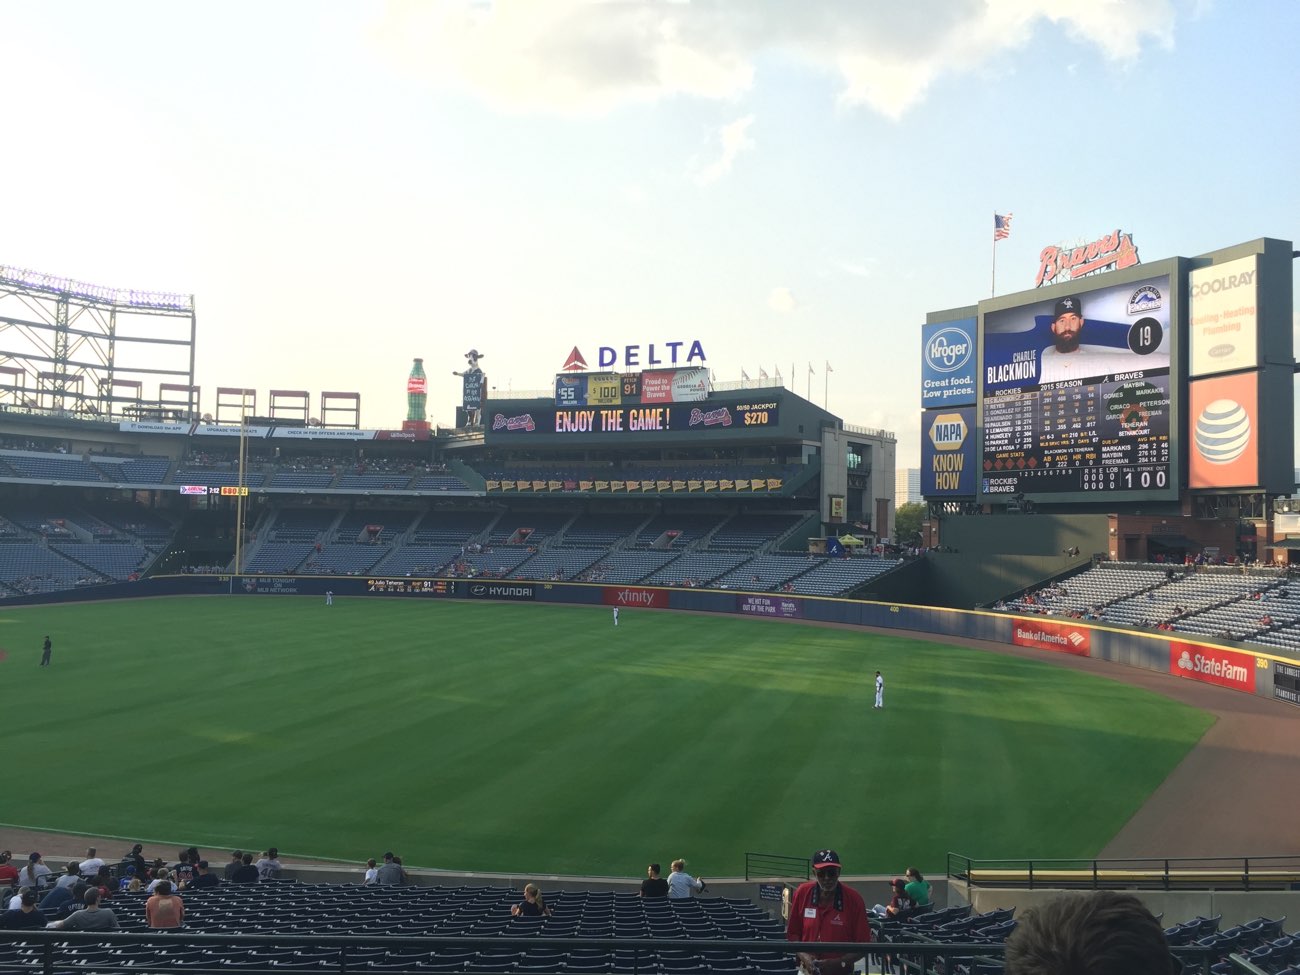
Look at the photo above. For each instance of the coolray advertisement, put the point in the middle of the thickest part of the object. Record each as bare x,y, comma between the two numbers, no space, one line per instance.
1227,668
948,464
948,363
1223,317
1223,421
1077,394
784,607
1047,635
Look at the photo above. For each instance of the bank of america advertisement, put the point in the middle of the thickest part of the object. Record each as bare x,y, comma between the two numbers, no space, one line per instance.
948,363
948,452
1223,313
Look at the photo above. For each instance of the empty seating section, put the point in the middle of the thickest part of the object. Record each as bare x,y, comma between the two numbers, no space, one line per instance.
1197,591
764,572
278,558
696,569
449,527
113,560
628,565
392,522
133,470
51,467
29,568
752,531
150,528
438,482
1098,586
345,558
495,561
302,524
542,525
685,528
226,476
830,577
377,481
418,560
557,563
479,912
602,529
304,480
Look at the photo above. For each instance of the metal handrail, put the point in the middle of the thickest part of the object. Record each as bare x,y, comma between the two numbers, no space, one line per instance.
1240,873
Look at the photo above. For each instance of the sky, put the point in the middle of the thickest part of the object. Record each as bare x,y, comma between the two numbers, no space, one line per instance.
345,186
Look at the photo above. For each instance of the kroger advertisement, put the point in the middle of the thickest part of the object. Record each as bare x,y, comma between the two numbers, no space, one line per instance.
948,363
948,452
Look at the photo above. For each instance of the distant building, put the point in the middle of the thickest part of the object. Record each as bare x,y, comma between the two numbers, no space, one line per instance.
907,487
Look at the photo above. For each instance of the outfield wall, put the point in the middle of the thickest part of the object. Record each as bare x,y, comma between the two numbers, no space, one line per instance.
1245,669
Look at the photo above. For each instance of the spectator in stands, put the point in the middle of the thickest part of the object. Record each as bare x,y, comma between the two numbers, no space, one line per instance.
90,866
247,872
918,888
182,871
92,917
164,909
269,867
391,871
236,861
8,872
25,915
681,884
654,885
1102,932
371,873
826,910
136,859
533,904
203,877
103,882
900,902
36,874
161,875
54,903
130,880
71,875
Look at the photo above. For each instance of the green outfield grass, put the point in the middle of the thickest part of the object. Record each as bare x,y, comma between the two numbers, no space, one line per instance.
528,738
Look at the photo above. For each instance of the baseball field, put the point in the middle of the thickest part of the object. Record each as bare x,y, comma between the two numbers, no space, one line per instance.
477,736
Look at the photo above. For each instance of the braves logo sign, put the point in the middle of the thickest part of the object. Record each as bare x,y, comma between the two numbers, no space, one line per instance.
524,422
712,418
1113,252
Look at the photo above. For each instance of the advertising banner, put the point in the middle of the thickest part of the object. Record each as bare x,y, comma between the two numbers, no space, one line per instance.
636,420
571,390
1223,420
228,430
174,429
411,587
1223,314
782,606
634,596
1227,668
657,387
1050,635
513,591
472,389
948,363
948,452
690,385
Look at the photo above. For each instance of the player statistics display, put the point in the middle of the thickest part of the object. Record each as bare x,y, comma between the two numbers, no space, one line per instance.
1076,393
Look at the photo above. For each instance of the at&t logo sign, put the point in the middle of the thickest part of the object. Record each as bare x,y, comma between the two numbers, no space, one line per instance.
949,350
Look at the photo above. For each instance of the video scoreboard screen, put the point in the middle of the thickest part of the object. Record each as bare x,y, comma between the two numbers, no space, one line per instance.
1078,393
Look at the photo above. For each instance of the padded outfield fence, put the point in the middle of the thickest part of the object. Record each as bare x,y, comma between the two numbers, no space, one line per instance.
1241,668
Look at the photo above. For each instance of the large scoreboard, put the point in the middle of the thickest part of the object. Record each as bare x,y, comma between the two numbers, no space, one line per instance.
1079,390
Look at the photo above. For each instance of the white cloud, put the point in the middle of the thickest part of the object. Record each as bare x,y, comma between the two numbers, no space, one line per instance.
782,300
859,269
576,56
735,140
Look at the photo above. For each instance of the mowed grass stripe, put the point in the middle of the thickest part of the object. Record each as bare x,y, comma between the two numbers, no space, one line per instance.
517,737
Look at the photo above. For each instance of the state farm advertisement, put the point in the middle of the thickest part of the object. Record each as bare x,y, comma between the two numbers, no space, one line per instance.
1046,635
1227,668
635,596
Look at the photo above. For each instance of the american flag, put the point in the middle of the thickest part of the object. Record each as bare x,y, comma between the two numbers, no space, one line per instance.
1001,226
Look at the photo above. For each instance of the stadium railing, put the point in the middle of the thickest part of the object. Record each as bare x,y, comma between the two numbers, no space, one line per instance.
1154,873
58,951
775,865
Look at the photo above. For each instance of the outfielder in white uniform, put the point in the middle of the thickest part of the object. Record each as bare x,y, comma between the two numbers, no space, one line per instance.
880,691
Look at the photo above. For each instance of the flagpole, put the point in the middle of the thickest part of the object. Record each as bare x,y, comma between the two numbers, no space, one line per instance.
993,289
826,388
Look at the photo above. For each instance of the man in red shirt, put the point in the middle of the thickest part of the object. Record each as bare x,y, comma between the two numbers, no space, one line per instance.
826,910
